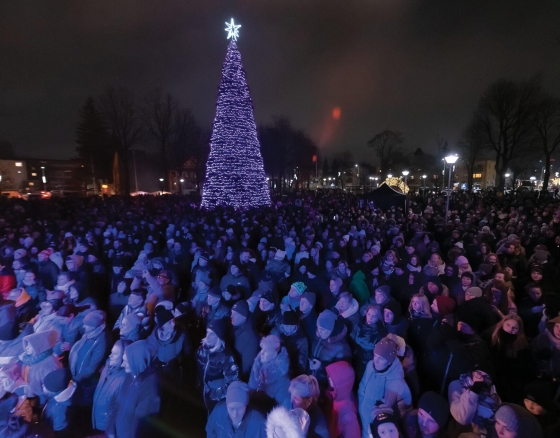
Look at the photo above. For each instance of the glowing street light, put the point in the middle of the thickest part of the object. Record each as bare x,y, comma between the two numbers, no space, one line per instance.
405,173
389,175
451,160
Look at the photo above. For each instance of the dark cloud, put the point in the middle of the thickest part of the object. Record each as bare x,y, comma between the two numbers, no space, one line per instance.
418,67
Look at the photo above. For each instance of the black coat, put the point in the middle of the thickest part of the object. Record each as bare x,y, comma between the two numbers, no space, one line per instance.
246,347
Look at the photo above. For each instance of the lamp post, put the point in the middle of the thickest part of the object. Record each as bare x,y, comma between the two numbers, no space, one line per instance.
507,175
451,160
405,174
358,175
161,185
424,185
44,178
181,181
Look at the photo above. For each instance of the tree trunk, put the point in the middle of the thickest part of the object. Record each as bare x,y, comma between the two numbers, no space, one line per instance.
546,173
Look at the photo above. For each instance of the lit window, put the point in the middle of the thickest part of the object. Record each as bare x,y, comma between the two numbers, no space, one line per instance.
31,183
477,175
19,171
19,164
33,174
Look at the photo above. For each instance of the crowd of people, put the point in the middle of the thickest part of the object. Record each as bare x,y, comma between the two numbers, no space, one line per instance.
320,316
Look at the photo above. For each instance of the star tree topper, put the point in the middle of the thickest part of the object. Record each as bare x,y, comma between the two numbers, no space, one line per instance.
232,30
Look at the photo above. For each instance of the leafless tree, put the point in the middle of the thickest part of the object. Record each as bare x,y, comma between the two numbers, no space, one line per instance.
504,111
386,144
546,120
471,145
121,112
159,113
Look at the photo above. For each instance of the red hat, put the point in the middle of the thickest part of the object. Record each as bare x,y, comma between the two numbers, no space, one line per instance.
445,305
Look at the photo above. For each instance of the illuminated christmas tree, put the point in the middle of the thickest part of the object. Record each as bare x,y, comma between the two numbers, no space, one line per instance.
234,170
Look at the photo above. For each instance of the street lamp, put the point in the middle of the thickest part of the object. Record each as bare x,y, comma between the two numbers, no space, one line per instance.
451,160
161,184
44,178
181,181
507,175
424,184
389,175
405,174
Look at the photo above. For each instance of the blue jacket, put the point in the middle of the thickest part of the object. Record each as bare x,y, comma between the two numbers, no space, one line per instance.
219,424
105,397
87,356
57,408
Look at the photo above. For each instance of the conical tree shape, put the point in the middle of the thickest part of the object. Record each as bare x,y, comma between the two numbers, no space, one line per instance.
234,170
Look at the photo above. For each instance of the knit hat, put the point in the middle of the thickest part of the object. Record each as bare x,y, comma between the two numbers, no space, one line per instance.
445,305
381,418
542,393
280,255
237,391
486,367
536,268
430,271
540,256
436,406
400,342
163,316
377,248
290,318
387,349
95,318
506,414
45,253
217,292
271,342
311,297
326,320
217,327
242,308
461,260
57,380
474,291
299,286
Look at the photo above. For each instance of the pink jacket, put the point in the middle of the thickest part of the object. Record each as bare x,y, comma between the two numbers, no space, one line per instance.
343,409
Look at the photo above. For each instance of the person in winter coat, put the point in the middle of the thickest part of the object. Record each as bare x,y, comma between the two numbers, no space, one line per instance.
270,371
458,291
289,424
512,358
214,309
109,387
394,322
8,317
530,309
38,360
135,305
421,323
131,328
172,345
539,401
47,318
216,365
236,278
245,339
364,337
358,287
475,303
295,342
25,306
87,355
268,315
307,315
292,300
348,308
513,421
11,381
473,400
546,349
59,390
233,417
47,270
139,396
342,409
430,419
12,425
383,384
329,345
304,393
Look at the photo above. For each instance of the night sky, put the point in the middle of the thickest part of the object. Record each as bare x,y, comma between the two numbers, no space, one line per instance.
414,66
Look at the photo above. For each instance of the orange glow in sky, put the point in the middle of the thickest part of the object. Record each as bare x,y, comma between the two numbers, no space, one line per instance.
336,113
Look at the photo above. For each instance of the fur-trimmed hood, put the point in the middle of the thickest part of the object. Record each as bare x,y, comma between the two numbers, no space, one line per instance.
280,418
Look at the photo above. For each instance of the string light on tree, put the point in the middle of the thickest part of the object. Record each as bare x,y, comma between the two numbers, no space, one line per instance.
234,170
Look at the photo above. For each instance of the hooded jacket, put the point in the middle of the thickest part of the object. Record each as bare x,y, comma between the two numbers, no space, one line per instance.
42,362
527,424
399,326
387,387
106,394
363,339
343,412
86,356
351,316
139,395
330,350
57,408
358,287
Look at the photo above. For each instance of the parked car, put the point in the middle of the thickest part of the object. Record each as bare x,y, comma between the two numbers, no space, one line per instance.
11,194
